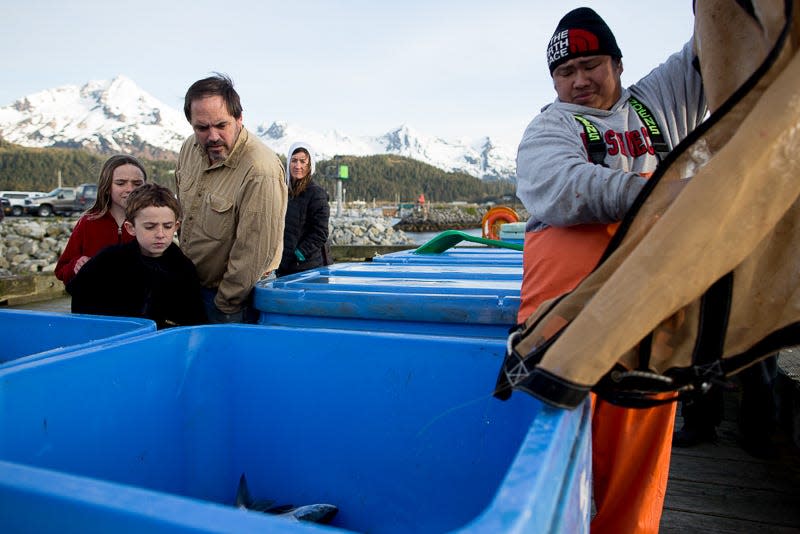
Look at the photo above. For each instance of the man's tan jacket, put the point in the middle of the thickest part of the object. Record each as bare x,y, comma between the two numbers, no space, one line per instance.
233,217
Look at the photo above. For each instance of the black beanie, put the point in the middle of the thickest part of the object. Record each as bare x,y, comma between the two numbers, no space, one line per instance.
581,32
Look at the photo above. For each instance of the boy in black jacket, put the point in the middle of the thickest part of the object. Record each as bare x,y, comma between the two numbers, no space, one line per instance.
149,277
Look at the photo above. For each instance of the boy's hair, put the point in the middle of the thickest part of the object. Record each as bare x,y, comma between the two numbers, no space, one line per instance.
151,195
103,201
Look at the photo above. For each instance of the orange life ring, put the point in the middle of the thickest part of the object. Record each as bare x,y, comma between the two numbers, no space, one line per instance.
496,217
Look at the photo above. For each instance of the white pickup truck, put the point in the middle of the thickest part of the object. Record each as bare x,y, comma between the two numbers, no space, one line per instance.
16,201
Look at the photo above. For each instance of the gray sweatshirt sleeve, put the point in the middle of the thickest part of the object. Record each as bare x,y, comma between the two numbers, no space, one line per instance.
676,90
557,183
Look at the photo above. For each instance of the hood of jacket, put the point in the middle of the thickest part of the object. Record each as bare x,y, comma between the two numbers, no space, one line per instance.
311,155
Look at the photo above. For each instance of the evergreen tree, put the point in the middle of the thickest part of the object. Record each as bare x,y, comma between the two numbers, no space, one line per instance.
383,178
37,169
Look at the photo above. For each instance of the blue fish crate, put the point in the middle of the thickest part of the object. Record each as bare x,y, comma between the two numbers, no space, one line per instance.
459,300
400,432
30,335
488,256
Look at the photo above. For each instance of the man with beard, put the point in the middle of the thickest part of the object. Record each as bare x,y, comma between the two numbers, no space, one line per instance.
233,193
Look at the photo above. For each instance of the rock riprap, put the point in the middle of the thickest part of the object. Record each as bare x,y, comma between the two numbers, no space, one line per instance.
31,245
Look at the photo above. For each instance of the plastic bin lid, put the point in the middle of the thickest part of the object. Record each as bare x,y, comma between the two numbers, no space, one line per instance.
431,293
513,227
488,256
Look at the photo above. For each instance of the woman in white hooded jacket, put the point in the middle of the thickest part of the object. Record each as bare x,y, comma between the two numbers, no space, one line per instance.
307,213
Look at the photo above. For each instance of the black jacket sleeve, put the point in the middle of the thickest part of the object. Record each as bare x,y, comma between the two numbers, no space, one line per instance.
306,230
315,232
86,288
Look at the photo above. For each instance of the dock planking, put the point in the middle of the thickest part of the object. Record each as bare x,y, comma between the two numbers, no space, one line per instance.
718,487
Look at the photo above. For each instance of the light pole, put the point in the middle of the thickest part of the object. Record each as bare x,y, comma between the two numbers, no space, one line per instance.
342,174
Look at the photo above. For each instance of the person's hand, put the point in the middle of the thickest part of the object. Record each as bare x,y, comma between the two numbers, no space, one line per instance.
80,263
217,316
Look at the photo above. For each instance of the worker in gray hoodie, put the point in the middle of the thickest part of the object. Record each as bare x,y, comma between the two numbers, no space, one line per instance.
581,164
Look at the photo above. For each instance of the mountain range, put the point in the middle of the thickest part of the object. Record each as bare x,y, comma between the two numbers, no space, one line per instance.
118,116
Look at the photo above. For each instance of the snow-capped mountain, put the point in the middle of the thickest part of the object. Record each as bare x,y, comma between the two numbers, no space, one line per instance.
101,116
118,116
480,158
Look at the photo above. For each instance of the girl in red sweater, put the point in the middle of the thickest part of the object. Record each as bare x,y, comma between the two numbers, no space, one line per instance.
101,225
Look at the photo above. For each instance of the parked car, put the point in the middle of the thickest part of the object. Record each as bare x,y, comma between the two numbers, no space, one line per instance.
85,195
16,201
59,200
63,201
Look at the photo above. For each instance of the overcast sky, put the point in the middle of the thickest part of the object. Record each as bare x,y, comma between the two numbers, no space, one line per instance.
447,68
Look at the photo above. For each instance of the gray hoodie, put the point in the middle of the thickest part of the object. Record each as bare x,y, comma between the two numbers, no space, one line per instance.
557,183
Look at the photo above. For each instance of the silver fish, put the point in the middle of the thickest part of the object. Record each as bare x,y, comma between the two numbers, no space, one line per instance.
245,501
316,513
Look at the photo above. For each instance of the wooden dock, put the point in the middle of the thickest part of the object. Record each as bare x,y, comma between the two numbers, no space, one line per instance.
722,489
